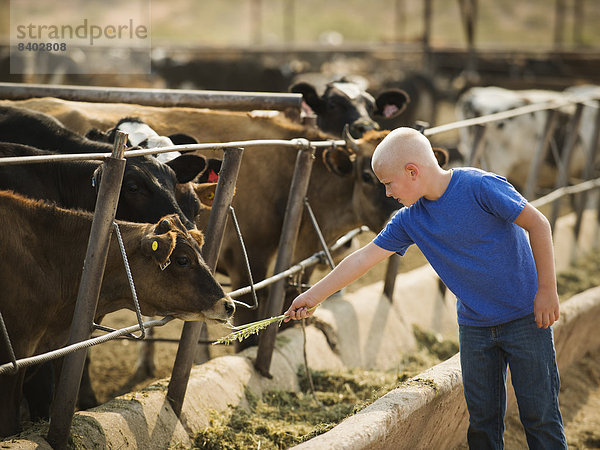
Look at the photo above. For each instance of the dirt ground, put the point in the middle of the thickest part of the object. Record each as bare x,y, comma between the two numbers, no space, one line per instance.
113,370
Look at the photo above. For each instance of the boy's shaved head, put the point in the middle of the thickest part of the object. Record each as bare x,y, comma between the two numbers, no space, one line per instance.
401,146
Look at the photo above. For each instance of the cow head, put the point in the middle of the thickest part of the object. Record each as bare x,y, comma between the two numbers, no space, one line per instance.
187,167
139,134
345,102
196,201
179,267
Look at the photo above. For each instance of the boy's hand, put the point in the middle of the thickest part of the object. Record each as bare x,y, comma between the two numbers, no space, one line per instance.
299,309
545,307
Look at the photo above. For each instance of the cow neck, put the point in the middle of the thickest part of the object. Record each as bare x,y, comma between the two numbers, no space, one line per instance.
342,193
116,293
75,184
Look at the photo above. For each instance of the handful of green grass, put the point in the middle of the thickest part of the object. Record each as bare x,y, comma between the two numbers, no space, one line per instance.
243,331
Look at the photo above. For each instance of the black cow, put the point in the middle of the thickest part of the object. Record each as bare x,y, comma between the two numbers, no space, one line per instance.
149,186
345,102
141,134
74,184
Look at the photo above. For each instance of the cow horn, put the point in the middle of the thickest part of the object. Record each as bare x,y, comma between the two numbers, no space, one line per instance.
350,141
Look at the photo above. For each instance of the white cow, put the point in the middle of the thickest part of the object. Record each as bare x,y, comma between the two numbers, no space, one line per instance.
510,144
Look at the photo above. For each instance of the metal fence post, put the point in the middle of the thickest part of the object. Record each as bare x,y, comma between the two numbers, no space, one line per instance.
477,149
540,154
287,244
63,406
563,174
592,152
390,276
210,251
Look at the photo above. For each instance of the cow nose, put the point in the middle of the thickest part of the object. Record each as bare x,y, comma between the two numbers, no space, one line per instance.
229,307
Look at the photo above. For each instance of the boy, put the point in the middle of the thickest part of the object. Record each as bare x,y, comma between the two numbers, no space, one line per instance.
471,226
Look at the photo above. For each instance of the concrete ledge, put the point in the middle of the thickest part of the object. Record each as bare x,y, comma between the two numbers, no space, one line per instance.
427,413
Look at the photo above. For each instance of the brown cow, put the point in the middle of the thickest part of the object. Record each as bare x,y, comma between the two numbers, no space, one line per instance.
44,247
343,192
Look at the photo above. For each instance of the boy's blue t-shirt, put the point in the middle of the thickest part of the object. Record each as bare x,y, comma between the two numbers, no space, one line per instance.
469,238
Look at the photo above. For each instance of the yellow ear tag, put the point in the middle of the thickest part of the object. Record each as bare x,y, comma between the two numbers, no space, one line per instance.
211,195
154,246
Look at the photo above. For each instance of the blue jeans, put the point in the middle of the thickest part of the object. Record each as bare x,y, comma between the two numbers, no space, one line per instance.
485,353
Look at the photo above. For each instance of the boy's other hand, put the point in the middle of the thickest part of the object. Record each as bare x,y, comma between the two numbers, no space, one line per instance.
546,307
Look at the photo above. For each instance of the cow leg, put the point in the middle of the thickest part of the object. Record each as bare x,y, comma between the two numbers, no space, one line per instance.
38,390
87,397
10,394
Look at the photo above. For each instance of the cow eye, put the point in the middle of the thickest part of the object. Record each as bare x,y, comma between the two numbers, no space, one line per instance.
182,261
131,186
368,177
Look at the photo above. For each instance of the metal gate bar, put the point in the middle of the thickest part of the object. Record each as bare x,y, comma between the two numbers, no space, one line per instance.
287,244
63,406
232,100
214,237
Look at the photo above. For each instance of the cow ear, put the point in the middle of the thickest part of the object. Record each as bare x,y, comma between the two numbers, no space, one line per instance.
187,167
159,246
442,155
339,161
182,139
198,236
309,96
391,103
211,174
205,193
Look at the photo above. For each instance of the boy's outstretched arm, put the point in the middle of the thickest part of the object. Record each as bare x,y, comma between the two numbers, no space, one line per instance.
352,267
546,307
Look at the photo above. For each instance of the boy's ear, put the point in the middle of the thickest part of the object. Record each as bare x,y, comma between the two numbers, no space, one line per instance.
411,170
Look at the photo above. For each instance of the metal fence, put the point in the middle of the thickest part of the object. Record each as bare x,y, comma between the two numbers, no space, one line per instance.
63,408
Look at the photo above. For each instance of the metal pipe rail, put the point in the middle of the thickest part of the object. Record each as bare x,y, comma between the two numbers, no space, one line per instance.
566,190
298,143
508,114
302,265
232,100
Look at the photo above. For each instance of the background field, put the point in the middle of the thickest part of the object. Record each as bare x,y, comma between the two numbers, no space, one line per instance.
501,23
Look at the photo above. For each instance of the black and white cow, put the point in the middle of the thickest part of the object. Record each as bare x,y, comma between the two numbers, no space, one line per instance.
347,102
